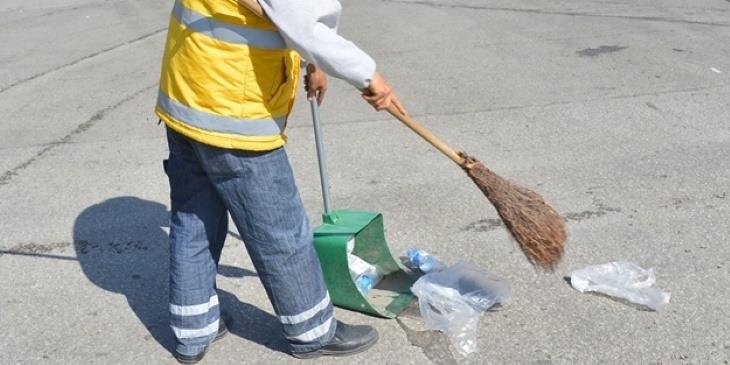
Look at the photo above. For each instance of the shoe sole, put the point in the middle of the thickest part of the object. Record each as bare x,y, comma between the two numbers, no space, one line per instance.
191,361
320,352
220,335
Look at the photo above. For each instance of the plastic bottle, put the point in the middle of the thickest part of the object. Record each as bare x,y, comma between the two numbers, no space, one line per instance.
364,274
423,261
364,283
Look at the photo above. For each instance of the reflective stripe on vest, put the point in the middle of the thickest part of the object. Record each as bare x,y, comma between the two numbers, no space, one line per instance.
228,79
226,32
219,123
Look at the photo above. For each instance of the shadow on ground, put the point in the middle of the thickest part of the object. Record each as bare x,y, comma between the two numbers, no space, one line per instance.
122,247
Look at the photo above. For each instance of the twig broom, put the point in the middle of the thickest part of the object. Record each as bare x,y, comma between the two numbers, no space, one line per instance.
537,227
532,222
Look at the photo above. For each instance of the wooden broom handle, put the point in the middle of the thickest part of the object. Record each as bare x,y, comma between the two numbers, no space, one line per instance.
427,135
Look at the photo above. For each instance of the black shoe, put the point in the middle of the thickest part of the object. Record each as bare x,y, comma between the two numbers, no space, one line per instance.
222,328
192,359
348,340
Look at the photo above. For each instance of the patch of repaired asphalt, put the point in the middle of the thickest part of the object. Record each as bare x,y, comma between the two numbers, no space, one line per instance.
593,52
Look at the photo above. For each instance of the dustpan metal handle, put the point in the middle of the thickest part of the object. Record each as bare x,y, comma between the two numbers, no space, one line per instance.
320,155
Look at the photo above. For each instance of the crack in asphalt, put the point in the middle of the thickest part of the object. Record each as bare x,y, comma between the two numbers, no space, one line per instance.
38,255
77,61
565,13
38,250
82,247
31,248
8,175
33,13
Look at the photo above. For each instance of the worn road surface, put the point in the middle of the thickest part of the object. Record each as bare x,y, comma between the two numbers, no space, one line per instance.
617,111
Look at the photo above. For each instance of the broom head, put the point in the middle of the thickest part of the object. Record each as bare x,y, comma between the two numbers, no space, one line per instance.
537,227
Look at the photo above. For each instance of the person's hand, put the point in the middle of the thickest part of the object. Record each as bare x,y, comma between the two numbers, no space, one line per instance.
254,6
315,83
381,95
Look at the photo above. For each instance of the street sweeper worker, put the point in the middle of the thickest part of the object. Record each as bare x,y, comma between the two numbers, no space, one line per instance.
227,86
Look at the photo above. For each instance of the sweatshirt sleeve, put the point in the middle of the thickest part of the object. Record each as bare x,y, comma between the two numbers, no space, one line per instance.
310,28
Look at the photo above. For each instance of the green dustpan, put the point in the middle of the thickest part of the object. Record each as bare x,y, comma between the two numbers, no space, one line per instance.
362,234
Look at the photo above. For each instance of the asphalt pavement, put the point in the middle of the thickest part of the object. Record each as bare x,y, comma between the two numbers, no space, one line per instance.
616,111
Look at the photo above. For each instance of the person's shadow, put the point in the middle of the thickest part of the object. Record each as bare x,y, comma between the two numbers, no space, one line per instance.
122,247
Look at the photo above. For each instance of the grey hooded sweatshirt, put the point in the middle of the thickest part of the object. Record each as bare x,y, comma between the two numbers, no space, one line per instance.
310,28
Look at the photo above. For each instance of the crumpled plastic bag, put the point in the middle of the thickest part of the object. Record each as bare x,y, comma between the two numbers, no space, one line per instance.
451,301
623,280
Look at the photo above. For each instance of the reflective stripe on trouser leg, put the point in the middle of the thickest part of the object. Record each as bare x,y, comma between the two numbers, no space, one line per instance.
198,226
259,192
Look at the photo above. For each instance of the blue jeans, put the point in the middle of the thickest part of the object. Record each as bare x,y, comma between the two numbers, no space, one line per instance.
258,190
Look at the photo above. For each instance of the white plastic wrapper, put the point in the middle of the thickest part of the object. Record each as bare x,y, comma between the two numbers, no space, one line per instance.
622,280
452,300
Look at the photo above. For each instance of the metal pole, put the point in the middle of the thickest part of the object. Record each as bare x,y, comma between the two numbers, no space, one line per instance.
320,155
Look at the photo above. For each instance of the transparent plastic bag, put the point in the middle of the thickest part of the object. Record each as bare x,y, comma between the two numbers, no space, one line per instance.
622,280
451,301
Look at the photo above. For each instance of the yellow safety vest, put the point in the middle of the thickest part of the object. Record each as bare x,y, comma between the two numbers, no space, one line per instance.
228,79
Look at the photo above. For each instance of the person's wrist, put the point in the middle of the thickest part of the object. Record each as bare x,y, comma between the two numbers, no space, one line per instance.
373,82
